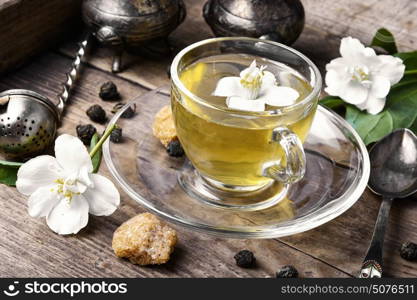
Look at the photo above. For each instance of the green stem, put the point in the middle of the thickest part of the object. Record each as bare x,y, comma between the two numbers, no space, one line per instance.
409,72
102,139
12,164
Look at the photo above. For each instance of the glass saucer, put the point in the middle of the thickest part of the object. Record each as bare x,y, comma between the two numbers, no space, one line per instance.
336,176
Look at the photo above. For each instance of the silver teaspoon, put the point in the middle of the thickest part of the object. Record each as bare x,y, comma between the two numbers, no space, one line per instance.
393,175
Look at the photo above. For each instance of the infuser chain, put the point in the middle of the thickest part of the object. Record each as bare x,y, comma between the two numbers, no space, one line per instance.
72,74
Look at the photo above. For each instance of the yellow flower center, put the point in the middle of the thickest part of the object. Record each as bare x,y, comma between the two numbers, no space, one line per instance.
62,188
252,81
360,74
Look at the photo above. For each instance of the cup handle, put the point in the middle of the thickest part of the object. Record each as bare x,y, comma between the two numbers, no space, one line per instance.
293,167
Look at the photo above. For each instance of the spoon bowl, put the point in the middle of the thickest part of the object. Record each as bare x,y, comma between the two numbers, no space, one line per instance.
394,165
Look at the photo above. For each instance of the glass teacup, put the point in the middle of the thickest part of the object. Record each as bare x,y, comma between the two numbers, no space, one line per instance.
241,159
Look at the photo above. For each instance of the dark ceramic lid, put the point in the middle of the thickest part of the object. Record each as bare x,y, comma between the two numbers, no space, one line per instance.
259,9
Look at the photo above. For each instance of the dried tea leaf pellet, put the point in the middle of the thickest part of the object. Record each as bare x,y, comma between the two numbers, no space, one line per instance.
116,135
287,272
245,259
85,133
97,114
109,92
408,251
175,149
128,113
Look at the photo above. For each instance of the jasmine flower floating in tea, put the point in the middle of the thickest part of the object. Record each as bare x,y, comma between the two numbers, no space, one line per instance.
253,89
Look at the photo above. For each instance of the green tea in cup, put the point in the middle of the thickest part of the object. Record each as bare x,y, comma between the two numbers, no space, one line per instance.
237,145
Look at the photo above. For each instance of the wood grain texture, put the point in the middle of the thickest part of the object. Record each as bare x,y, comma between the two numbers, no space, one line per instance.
28,27
335,249
29,248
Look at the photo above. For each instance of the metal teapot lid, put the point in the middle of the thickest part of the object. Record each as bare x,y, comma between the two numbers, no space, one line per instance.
258,10
128,8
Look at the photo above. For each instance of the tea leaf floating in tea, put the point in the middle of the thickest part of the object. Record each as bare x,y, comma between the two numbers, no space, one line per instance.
254,89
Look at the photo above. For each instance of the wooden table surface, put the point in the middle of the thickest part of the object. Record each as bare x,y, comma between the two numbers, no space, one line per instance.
29,249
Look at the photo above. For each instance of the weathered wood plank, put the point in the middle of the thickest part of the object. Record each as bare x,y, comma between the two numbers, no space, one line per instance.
341,243
344,241
363,18
28,248
30,26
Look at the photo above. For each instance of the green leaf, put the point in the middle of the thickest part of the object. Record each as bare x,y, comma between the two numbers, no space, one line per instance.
370,127
385,40
399,112
331,102
96,159
8,172
406,55
406,80
410,64
334,103
410,61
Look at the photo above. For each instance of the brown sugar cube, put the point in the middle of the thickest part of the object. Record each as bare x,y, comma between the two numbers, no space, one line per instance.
163,126
144,240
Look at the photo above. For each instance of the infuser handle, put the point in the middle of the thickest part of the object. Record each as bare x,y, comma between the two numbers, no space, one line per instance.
72,74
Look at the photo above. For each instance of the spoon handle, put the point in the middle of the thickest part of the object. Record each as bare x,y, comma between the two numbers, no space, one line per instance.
372,264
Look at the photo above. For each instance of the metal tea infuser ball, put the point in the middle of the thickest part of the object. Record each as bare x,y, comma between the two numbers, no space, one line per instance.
28,120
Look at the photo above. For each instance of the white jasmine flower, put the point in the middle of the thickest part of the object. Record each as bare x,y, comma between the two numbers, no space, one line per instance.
362,78
63,188
254,89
